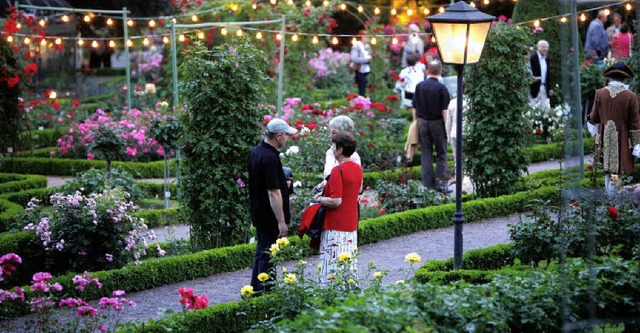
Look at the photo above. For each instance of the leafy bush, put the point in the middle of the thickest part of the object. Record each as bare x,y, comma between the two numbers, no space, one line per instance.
398,197
95,181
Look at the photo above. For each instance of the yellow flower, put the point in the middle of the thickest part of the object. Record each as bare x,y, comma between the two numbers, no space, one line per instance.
377,275
290,278
282,242
284,269
351,281
263,277
400,282
164,104
303,262
614,178
413,258
344,257
246,291
319,266
274,249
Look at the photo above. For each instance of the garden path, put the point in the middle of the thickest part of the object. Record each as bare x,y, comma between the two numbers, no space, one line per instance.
387,255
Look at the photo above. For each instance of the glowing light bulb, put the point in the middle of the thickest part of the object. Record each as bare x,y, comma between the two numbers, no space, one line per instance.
294,38
95,44
334,40
194,18
308,3
145,41
234,7
43,42
65,18
441,9
152,24
112,44
273,2
80,42
536,23
200,35
343,6
427,11
258,35
18,26
583,17
239,33
10,39
360,9
486,2
166,40
628,6
223,31
473,4
254,6
394,41
130,43
58,41
278,36
109,22
314,40
130,23
607,11
326,3
409,12
394,11
26,40
181,38
563,20
374,41
376,11
87,18
290,2
42,22
53,95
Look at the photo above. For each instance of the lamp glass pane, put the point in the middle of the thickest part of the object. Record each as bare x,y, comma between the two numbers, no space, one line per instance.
451,38
477,35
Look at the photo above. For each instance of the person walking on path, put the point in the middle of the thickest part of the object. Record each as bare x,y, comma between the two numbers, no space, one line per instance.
361,55
615,109
339,232
597,39
430,103
540,88
268,196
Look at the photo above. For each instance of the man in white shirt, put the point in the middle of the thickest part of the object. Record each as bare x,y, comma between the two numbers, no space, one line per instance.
540,88
361,55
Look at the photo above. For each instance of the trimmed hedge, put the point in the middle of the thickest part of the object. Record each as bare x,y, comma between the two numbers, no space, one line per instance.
154,218
153,190
69,167
9,213
18,182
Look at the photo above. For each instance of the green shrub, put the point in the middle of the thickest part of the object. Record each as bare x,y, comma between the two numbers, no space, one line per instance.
9,214
69,167
155,218
96,181
16,182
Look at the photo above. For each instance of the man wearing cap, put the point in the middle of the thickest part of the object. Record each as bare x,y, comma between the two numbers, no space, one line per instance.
268,195
615,108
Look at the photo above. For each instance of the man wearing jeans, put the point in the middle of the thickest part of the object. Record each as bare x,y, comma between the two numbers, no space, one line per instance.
268,196
430,103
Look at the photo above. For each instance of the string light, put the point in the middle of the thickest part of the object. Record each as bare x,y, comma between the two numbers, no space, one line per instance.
200,35
94,44
376,11
10,39
473,4
80,42
181,38
43,42
18,26
583,17
109,22
326,3
259,35
254,6
536,23
427,11
314,40
334,40
394,41
53,94
278,36
308,3
374,41
441,9
294,38
290,2
628,6
42,22
409,12
130,22
130,43
393,11
223,31
273,2
58,41
112,44
194,18
239,33
234,7
486,2
65,18
145,41
27,40
343,6
360,9
152,24
87,18
165,40
607,11
563,20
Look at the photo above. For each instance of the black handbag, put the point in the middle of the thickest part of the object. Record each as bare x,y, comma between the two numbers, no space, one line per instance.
315,231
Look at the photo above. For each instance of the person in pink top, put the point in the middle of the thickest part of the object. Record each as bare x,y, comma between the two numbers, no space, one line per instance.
622,43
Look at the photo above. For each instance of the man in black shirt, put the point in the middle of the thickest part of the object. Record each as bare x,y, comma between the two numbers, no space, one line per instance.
430,103
268,195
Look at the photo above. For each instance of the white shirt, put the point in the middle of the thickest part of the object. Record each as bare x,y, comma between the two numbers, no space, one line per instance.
330,161
543,68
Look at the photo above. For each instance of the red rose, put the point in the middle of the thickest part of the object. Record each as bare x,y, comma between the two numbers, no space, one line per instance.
76,103
613,213
382,211
13,81
311,125
31,68
56,106
371,144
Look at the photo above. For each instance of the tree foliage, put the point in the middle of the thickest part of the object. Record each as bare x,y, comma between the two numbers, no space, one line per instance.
11,88
222,89
498,99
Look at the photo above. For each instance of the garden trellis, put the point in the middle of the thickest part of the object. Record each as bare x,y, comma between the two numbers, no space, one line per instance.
189,27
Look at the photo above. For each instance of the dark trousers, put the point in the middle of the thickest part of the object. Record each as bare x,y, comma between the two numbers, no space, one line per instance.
433,136
261,263
361,81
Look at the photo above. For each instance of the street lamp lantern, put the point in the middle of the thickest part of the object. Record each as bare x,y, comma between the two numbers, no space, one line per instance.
460,32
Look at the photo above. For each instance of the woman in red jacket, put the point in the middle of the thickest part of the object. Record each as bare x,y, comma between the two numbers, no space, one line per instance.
340,196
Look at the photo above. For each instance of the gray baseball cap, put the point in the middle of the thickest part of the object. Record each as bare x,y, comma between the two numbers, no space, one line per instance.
277,125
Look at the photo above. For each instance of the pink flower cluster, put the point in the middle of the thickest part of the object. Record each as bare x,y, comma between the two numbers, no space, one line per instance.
132,126
190,301
360,103
327,62
82,281
116,303
7,264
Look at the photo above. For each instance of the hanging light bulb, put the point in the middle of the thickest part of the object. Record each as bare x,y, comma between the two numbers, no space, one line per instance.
194,18
166,40
223,31
607,11
87,18
259,35
239,33
441,9
130,43
200,35
130,22
308,3
374,41
314,40
26,40
95,44
18,26
234,7
80,42
43,42
393,11
52,94
343,6
278,36
65,18
394,41
427,11
628,6
290,2
152,24
145,41
486,2
254,6
334,40
473,4
294,38
583,17
376,11
42,22
10,39
181,38
326,3
58,41
273,2
360,9
409,12
112,44
536,23
563,19
109,22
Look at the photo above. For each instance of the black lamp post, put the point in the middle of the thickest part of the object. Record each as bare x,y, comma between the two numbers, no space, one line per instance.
460,33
